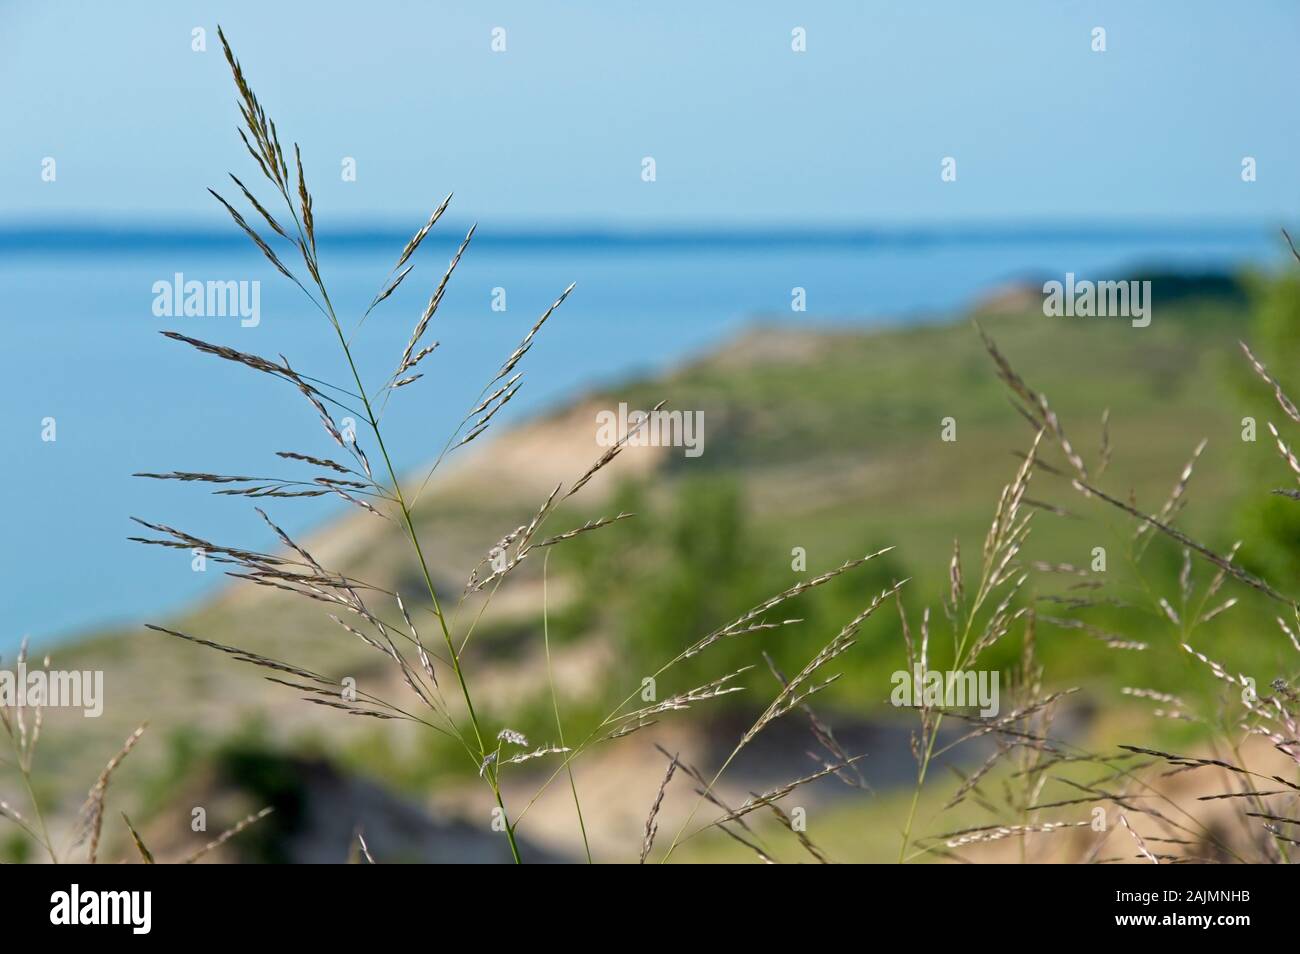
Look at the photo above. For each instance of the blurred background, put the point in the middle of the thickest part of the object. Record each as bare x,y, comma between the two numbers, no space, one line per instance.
752,203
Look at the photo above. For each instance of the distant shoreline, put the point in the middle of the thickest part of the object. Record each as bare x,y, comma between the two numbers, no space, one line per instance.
41,238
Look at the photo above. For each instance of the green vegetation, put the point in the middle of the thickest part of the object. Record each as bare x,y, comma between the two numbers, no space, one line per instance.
838,451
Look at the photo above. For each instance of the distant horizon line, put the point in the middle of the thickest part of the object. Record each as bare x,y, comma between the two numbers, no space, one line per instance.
19,236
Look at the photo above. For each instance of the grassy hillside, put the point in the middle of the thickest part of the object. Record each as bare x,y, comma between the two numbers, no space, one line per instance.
827,440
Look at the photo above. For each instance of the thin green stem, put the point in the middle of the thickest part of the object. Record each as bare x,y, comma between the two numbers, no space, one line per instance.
24,770
329,312
428,578
916,792
555,703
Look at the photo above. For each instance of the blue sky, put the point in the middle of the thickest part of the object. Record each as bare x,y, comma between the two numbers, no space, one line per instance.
744,131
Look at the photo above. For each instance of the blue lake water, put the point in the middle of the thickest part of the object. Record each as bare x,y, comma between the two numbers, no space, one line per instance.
81,345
